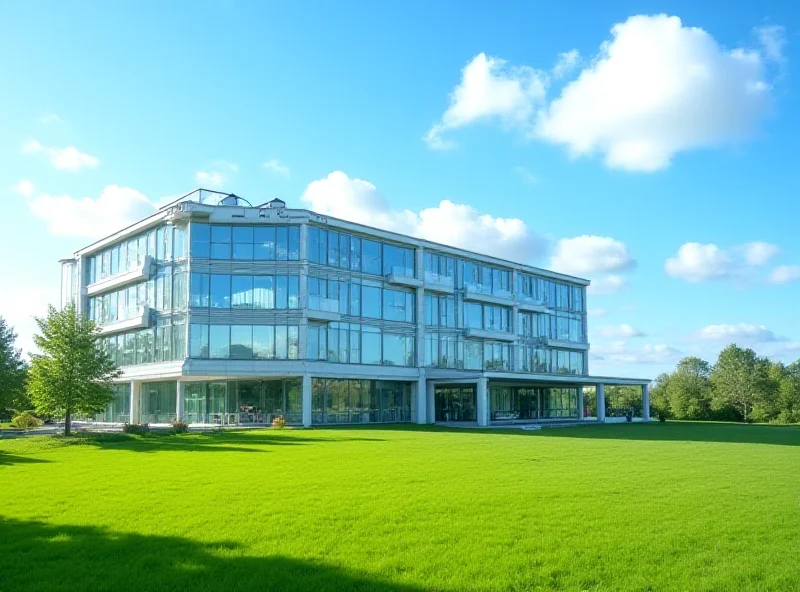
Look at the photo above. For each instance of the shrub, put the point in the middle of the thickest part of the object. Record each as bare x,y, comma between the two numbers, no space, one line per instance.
26,421
180,427
278,423
136,428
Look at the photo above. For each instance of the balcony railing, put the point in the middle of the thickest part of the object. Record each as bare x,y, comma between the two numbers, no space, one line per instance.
323,304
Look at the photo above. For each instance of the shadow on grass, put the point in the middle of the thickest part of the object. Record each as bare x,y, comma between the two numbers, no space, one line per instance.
671,431
11,459
40,556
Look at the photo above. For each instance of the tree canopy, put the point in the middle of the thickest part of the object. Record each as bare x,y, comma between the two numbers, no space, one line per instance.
72,375
12,370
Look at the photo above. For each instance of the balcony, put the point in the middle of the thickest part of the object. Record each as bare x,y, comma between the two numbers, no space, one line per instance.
137,274
435,282
403,276
323,309
490,334
562,343
140,321
530,304
481,293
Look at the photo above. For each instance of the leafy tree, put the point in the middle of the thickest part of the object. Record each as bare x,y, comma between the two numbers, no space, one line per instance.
789,394
689,390
741,380
12,370
659,399
72,375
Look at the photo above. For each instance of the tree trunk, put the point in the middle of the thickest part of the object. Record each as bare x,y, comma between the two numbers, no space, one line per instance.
67,422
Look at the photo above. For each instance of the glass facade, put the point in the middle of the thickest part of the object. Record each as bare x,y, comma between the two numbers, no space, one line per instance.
263,292
353,343
513,403
355,253
244,342
237,402
158,401
242,242
341,401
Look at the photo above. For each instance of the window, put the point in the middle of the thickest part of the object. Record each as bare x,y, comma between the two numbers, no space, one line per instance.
473,315
281,343
473,355
220,242
220,291
179,242
241,342
313,244
198,341
243,242
219,341
281,291
355,253
282,243
264,243
398,305
439,269
398,260
263,342
397,350
264,292
294,291
201,240
242,291
371,257
371,301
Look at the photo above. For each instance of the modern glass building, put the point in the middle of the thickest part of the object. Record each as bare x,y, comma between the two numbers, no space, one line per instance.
219,312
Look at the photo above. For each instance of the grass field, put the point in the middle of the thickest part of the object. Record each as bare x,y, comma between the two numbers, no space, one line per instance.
619,507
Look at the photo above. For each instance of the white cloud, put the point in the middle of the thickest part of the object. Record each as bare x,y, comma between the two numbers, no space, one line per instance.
69,158
210,178
275,166
449,223
772,39
24,188
598,312
696,262
655,89
740,331
49,118
609,284
116,208
783,274
590,254
619,331
566,63
759,253
490,90
22,303
620,351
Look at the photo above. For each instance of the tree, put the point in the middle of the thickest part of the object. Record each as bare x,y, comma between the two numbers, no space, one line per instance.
659,397
689,390
12,370
741,380
72,375
789,394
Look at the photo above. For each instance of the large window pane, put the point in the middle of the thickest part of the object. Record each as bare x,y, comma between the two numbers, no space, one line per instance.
294,243
371,302
281,291
243,242
294,291
264,243
370,345
371,257
282,251
264,291
293,342
220,242
219,341
220,291
242,291
313,244
241,342
198,341
201,241
263,342
281,342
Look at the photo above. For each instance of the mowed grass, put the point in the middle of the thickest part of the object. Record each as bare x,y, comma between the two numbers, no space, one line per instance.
673,506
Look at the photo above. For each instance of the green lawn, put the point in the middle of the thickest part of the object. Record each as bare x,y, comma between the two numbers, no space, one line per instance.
673,506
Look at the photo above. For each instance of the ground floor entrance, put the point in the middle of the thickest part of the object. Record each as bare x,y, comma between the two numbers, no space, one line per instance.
456,403
238,402
524,403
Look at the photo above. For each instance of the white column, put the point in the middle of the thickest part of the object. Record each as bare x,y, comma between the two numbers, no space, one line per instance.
421,398
420,308
179,414
431,403
483,401
580,403
306,400
135,401
646,402
601,402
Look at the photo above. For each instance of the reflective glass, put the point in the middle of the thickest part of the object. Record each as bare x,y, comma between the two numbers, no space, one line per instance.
264,291
264,243
371,302
241,291
241,342
220,291
219,341
263,342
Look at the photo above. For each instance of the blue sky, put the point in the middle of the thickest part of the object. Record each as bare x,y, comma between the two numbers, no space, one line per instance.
599,140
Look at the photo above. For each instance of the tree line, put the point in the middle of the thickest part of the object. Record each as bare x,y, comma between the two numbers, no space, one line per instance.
740,386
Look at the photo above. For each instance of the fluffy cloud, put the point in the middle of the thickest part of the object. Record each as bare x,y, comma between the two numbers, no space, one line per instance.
21,304
275,166
116,208
25,188
658,88
210,178
590,254
696,262
654,89
68,159
783,274
566,63
620,351
608,284
619,332
449,223
490,89
741,332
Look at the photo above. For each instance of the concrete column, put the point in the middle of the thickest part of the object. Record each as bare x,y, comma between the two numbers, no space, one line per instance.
601,402
646,402
580,403
306,400
421,399
483,401
420,308
430,401
135,410
303,242
179,406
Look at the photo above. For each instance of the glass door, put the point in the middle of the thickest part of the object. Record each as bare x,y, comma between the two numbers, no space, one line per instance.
217,397
455,403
